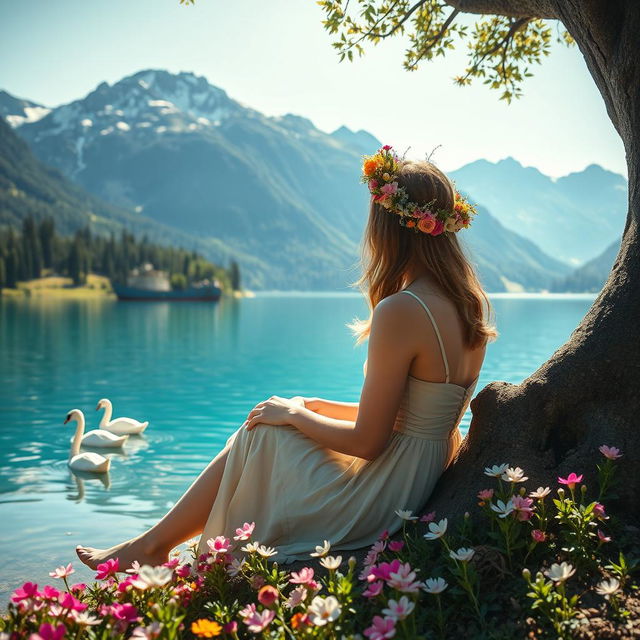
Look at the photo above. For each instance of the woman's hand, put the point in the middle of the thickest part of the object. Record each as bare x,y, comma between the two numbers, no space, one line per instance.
275,411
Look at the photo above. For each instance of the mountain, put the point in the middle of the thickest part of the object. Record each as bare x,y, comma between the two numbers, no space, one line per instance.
27,187
283,197
591,276
573,218
18,111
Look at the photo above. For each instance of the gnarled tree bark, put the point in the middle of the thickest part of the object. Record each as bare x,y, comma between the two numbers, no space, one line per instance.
588,392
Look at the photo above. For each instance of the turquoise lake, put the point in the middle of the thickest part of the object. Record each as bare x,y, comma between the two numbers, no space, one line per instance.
193,370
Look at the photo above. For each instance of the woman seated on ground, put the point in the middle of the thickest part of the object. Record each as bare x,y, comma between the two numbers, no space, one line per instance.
306,469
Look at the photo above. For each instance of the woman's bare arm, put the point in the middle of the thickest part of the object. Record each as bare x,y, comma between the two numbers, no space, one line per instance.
333,409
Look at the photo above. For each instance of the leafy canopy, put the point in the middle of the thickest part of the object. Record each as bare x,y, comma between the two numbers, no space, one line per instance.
500,48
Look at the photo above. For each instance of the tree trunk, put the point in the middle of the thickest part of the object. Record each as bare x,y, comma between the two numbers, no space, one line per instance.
588,393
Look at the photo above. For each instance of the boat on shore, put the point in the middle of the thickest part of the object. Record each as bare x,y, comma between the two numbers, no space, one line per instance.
149,284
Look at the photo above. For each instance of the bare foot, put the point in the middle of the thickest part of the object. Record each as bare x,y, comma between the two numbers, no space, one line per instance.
126,552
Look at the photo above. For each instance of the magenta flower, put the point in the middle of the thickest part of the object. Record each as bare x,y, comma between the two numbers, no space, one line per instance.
373,590
124,611
27,590
183,571
48,632
62,571
171,564
571,480
50,593
230,627
522,507
304,576
384,535
219,544
404,579
438,229
67,601
428,517
385,569
485,494
602,538
538,535
78,587
373,185
381,628
245,531
598,509
396,545
613,453
386,147
107,569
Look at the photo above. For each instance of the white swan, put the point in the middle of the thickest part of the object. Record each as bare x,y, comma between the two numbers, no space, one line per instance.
119,426
86,461
101,438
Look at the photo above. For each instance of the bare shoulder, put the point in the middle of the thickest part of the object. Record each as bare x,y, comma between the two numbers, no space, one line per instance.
394,311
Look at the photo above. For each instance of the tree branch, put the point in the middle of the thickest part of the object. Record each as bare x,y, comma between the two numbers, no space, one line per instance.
510,8
433,41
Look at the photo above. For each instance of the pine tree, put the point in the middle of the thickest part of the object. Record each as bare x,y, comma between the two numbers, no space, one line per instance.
234,275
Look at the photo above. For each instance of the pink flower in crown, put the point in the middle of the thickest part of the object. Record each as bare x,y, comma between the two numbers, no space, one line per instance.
373,184
389,189
438,229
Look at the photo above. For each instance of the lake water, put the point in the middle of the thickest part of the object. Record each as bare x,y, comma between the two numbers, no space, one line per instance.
194,371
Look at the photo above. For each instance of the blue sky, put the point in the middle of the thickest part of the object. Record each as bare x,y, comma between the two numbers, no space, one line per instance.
275,56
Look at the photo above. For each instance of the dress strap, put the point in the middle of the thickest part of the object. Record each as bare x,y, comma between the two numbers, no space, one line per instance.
435,327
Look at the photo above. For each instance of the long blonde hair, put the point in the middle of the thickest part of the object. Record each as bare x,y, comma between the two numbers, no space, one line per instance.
389,249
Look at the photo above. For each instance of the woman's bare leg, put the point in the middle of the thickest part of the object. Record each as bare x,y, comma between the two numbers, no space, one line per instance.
185,520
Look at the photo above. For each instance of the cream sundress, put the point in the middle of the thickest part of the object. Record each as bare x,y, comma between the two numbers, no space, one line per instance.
300,493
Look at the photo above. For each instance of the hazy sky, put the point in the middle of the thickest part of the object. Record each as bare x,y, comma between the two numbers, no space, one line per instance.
275,56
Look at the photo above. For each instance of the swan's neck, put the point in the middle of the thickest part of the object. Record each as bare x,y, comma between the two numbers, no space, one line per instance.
75,445
106,416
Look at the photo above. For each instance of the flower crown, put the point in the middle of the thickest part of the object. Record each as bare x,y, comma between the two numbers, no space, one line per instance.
380,172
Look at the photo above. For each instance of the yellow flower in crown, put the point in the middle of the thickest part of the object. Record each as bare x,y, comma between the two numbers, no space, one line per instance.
380,172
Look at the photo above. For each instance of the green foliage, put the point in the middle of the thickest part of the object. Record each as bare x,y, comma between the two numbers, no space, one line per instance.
500,48
24,256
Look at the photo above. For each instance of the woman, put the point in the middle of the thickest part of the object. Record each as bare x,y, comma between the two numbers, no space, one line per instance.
306,469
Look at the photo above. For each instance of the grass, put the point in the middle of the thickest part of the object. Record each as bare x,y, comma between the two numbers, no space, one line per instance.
62,287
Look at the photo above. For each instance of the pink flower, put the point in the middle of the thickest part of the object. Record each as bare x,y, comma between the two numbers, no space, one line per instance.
219,544
386,147
124,611
78,587
598,509
183,571
248,610
522,506
538,536
383,536
571,480
267,595
67,601
373,590
438,229
107,569
62,571
49,632
171,564
602,538
396,545
259,621
245,531
230,627
389,189
50,593
485,494
404,579
385,569
27,590
304,576
296,597
373,185
127,583
613,453
428,517
381,628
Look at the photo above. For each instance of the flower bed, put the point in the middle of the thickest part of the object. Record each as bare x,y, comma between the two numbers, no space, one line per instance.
535,564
